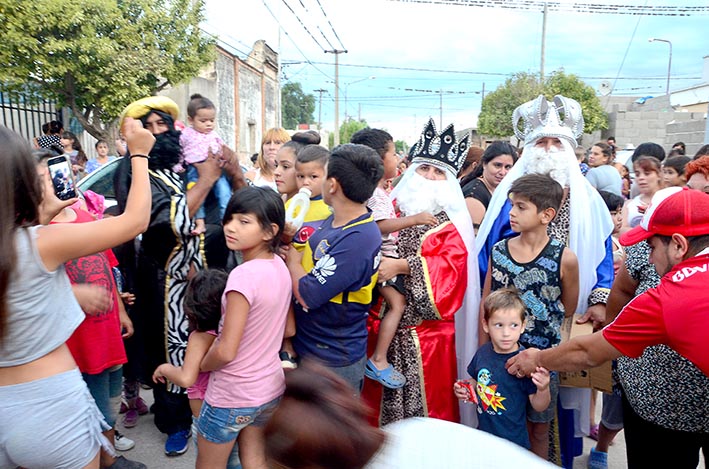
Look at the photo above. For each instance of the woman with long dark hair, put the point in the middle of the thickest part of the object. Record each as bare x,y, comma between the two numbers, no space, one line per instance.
478,186
43,397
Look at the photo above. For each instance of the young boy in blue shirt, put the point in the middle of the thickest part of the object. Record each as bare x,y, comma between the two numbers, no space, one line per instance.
546,275
334,276
501,398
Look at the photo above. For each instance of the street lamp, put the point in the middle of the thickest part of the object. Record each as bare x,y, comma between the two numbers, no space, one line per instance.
669,65
352,83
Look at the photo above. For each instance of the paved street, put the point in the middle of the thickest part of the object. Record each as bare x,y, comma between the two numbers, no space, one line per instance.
149,446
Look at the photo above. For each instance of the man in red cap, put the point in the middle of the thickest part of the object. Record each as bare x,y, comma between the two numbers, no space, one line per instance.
676,225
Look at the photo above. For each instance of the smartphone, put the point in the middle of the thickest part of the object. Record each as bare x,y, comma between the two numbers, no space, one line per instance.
62,177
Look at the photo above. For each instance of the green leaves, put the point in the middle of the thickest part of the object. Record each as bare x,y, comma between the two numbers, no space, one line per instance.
296,106
496,115
96,56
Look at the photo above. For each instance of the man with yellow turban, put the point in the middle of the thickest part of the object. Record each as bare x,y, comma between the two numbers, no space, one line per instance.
167,256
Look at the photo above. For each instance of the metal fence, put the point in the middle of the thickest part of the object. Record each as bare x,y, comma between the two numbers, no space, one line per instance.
26,118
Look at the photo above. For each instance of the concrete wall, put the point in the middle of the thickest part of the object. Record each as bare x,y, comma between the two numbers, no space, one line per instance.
688,130
246,93
655,121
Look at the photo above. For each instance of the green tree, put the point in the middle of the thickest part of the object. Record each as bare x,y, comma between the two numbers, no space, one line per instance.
401,146
496,114
296,106
347,130
571,86
96,56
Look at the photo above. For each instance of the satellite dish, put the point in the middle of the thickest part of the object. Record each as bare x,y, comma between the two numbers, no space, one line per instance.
605,88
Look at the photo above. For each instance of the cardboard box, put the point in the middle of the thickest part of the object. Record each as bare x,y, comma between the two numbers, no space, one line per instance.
597,378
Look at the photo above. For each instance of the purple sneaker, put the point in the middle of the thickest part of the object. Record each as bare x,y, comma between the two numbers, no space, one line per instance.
130,419
141,406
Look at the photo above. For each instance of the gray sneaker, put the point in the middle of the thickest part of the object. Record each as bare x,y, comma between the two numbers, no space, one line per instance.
123,463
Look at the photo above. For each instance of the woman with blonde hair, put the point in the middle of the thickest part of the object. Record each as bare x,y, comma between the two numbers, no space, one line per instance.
262,174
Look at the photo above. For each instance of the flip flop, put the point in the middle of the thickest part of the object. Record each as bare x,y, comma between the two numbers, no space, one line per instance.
388,377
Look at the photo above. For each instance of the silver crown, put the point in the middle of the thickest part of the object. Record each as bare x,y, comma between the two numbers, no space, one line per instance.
441,150
542,118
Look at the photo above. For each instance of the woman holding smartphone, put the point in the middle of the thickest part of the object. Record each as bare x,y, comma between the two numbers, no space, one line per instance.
49,418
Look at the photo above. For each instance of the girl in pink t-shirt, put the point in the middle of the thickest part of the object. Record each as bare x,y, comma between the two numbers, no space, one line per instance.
247,380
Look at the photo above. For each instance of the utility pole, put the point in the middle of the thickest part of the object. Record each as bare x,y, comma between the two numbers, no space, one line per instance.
440,109
321,91
336,137
544,43
359,113
483,97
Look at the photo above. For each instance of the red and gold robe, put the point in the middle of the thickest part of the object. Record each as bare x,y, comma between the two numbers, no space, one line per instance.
423,348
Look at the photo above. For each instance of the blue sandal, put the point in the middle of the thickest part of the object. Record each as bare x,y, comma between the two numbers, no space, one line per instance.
388,377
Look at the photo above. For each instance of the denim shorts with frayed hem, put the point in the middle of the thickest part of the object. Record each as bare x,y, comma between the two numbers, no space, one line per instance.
222,425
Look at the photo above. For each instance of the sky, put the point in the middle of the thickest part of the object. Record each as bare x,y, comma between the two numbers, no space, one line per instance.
458,49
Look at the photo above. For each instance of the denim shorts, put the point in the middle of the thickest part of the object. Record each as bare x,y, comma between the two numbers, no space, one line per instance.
547,415
222,425
105,388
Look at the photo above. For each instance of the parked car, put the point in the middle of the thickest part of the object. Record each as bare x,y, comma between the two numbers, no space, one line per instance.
101,182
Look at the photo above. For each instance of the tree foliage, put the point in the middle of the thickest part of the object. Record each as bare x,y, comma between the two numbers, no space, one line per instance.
296,106
496,114
401,146
347,129
96,56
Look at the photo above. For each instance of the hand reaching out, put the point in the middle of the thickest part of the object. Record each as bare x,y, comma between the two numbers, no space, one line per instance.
425,218
540,378
140,141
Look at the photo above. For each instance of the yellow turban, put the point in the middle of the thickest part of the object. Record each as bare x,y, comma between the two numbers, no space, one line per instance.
144,106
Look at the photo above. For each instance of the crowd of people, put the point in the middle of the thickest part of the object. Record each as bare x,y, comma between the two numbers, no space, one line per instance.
349,308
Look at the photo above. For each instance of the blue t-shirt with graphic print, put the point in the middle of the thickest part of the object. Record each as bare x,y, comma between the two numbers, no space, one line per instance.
502,398
341,264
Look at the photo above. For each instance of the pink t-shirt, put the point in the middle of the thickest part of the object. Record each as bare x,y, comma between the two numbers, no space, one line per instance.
195,144
199,388
255,376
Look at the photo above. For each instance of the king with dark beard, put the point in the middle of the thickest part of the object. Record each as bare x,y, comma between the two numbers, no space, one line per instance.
167,256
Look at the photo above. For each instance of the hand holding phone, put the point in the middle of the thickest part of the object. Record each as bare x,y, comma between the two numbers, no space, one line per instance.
62,177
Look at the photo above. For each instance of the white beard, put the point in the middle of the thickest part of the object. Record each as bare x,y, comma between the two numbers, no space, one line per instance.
424,195
554,163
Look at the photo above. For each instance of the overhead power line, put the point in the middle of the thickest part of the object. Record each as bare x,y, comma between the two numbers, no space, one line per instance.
307,60
468,72
331,27
303,24
538,5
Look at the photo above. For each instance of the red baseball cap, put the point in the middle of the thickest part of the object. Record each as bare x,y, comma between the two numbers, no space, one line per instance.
672,210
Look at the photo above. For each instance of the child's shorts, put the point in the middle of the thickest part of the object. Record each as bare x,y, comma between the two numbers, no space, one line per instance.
547,415
222,425
396,282
50,422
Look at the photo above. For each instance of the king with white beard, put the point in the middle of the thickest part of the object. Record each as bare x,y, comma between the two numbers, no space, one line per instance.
438,329
549,131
